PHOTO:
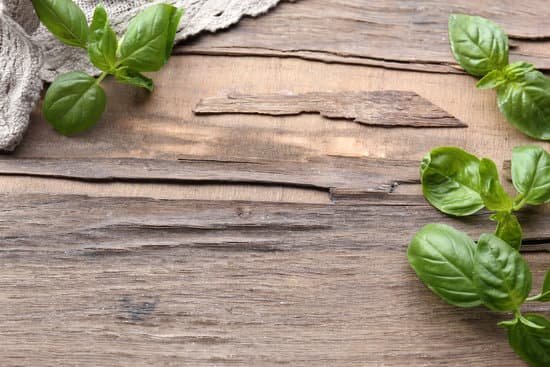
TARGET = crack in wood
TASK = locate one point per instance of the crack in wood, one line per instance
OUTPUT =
(395, 34)
(378, 108)
(367, 204)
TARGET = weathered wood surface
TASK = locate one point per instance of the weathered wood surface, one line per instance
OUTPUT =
(167, 238)
(378, 108)
(137, 281)
(399, 34)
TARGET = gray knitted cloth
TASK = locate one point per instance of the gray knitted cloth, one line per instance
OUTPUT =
(29, 54)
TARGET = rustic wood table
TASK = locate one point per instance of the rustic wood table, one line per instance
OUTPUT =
(254, 234)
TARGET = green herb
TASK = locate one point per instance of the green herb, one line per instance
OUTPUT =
(523, 93)
(75, 101)
(490, 272)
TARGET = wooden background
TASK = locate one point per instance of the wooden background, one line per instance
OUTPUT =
(167, 238)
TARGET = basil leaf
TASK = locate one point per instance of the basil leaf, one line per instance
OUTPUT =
(450, 181)
(493, 194)
(442, 257)
(64, 19)
(525, 102)
(544, 295)
(546, 288)
(478, 44)
(102, 43)
(492, 80)
(134, 78)
(517, 70)
(73, 103)
(531, 174)
(532, 344)
(149, 39)
(501, 275)
(508, 229)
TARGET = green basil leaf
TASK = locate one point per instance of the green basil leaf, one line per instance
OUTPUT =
(102, 42)
(74, 103)
(531, 174)
(134, 78)
(544, 295)
(517, 70)
(546, 288)
(492, 80)
(442, 257)
(501, 275)
(478, 44)
(149, 38)
(450, 181)
(532, 344)
(493, 194)
(508, 229)
(525, 102)
(64, 19)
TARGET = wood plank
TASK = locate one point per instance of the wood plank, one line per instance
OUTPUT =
(377, 108)
(231, 283)
(328, 174)
(397, 34)
(162, 124)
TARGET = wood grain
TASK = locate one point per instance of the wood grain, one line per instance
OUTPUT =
(397, 34)
(165, 238)
(378, 108)
(137, 281)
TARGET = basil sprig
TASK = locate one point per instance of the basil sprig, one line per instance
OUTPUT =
(460, 184)
(523, 93)
(490, 272)
(75, 101)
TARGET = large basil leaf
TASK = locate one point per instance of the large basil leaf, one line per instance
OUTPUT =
(532, 344)
(102, 42)
(450, 181)
(501, 275)
(493, 194)
(64, 19)
(525, 102)
(442, 257)
(531, 174)
(508, 229)
(478, 44)
(149, 38)
(74, 103)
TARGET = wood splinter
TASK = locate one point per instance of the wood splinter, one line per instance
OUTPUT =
(388, 108)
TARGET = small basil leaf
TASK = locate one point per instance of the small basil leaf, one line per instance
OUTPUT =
(544, 295)
(508, 323)
(478, 44)
(102, 42)
(546, 288)
(501, 275)
(450, 181)
(74, 103)
(508, 229)
(442, 257)
(64, 19)
(493, 194)
(134, 78)
(517, 70)
(149, 38)
(532, 344)
(531, 174)
(492, 80)
(525, 102)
